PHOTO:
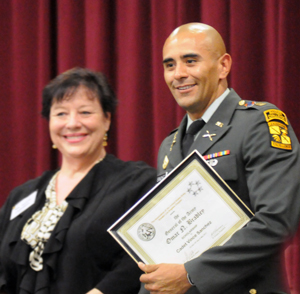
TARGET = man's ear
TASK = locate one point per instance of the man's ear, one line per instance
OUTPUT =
(225, 65)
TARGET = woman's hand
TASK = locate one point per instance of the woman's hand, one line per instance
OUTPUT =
(94, 291)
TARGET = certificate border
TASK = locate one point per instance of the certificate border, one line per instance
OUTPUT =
(193, 162)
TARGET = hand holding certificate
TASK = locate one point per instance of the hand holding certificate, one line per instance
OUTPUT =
(188, 212)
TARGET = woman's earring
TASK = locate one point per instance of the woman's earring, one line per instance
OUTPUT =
(54, 146)
(105, 140)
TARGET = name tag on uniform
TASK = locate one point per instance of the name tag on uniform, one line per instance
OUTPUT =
(23, 205)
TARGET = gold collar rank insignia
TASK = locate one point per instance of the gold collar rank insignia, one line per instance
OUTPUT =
(279, 134)
(260, 103)
(174, 141)
(166, 159)
(166, 162)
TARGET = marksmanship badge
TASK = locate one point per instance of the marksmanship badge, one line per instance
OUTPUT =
(146, 232)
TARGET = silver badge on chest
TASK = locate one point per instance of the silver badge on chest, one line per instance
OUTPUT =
(212, 162)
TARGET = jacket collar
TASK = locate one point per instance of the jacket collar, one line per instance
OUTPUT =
(217, 127)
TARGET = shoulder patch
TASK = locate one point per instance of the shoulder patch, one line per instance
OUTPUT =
(275, 114)
(279, 133)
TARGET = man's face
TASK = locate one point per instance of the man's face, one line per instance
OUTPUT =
(192, 71)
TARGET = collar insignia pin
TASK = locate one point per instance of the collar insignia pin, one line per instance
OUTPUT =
(174, 141)
(208, 135)
(219, 124)
(166, 162)
(260, 103)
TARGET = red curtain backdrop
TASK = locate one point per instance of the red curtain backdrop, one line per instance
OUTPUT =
(123, 38)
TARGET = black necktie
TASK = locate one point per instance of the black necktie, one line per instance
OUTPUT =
(188, 139)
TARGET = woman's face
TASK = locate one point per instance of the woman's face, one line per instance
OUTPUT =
(78, 125)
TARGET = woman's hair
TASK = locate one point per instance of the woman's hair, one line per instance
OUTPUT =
(65, 84)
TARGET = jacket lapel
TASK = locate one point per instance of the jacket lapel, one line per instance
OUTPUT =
(89, 186)
(174, 153)
(218, 125)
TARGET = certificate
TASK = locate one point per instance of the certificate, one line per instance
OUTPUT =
(189, 211)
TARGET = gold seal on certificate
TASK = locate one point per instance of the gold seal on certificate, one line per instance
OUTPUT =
(191, 210)
(146, 232)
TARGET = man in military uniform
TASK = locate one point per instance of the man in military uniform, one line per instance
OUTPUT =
(253, 148)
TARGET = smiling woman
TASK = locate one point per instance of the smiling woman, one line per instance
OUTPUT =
(53, 229)
(78, 104)
(78, 126)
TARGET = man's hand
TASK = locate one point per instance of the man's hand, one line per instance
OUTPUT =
(165, 278)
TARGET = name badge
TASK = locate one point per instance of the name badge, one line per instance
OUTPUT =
(23, 205)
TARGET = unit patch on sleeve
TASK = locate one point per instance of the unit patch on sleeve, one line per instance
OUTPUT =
(274, 114)
(279, 134)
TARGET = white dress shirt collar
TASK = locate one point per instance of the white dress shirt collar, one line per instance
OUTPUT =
(211, 109)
